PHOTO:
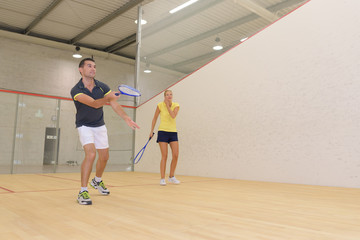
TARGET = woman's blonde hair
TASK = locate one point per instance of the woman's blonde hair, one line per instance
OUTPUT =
(166, 92)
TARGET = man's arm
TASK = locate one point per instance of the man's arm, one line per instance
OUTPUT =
(120, 111)
(98, 103)
(87, 100)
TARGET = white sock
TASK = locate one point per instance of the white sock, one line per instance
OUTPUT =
(83, 189)
(97, 179)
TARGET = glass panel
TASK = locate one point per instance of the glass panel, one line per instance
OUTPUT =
(35, 143)
(120, 140)
(71, 153)
(7, 125)
(30, 144)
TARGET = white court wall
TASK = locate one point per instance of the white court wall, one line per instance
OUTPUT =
(281, 107)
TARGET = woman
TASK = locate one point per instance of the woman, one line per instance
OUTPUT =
(167, 134)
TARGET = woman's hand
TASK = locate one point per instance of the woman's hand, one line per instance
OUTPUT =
(167, 102)
(151, 134)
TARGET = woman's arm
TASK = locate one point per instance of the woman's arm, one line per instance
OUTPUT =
(156, 115)
(172, 113)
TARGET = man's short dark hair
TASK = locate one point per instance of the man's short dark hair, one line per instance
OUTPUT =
(82, 62)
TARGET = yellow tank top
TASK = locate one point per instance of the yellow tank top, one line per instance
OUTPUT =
(167, 123)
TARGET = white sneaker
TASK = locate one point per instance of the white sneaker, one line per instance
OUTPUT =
(162, 182)
(100, 186)
(174, 180)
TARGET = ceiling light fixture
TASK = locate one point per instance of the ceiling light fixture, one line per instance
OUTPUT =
(243, 39)
(77, 54)
(147, 68)
(143, 22)
(218, 45)
(178, 8)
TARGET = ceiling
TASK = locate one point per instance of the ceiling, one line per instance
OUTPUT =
(181, 42)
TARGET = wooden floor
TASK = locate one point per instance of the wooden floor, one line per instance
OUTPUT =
(43, 206)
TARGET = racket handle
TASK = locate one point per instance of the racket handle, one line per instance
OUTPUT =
(151, 136)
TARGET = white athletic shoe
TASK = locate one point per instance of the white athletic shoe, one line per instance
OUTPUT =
(174, 180)
(100, 186)
(162, 182)
(84, 198)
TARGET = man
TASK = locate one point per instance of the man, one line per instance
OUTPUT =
(89, 96)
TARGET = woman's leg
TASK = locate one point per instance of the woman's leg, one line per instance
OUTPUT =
(164, 152)
(175, 155)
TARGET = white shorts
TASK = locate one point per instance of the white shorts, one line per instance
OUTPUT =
(95, 135)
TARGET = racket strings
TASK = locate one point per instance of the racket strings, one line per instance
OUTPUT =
(129, 91)
(139, 155)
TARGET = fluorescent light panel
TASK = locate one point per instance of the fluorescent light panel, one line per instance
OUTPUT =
(142, 22)
(77, 55)
(178, 8)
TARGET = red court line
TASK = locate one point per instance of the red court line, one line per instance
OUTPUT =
(47, 96)
(8, 190)
(34, 94)
(120, 186)
(44, 175)
(77, 180)
(45, 190)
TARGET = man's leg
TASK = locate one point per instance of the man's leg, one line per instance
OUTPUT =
(86, 167)
(102, 161)
(87, 164)
(96, 182)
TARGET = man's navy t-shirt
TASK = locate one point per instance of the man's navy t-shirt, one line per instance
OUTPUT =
(86, 115)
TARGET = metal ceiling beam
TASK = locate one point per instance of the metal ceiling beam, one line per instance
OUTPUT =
(41, 16)
(223, 28)
(257, 9)
(202, 36)
(121, 44)
(165, 23)
(105, 20)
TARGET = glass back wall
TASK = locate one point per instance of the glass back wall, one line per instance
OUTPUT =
(38, 135)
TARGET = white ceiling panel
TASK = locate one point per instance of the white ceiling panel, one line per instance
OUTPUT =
(14, 19)
(32, 8)
(56, 29)
(182, 41)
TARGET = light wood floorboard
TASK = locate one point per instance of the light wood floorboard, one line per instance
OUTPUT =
(43, 206)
